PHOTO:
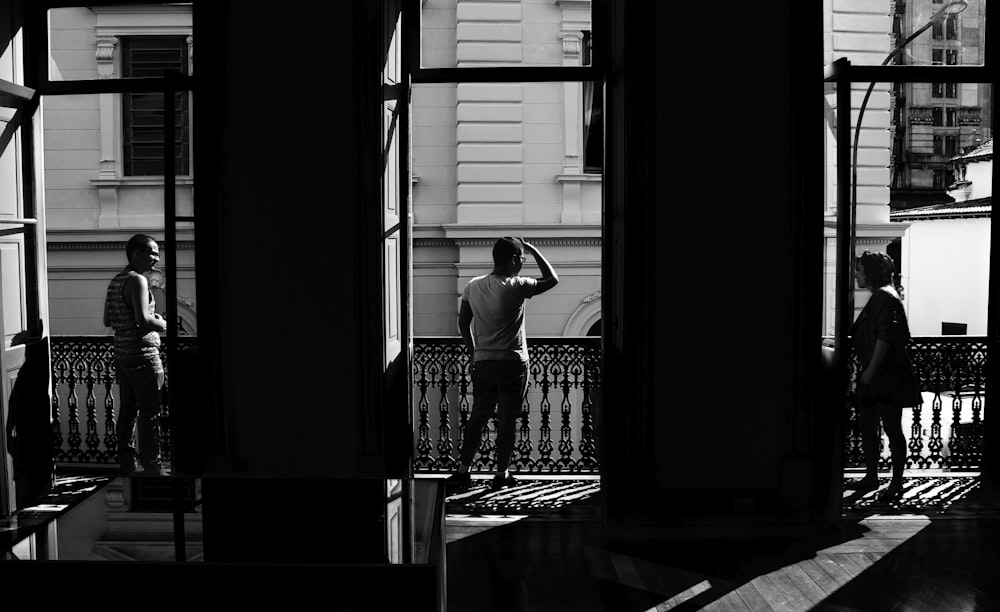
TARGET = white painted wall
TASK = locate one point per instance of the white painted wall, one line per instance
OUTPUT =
(502, 159)
(981, 176)
(88, 203)
(946, 274)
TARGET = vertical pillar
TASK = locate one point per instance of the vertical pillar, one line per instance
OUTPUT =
(490, 131)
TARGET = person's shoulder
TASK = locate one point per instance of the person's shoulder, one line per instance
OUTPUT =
(473, 283)
(886, 293)
(525, 280)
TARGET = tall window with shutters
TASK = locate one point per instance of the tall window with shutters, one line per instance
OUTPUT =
(142, 113)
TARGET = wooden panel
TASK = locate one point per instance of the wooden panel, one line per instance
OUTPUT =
(390, 70)
(390, 178)
(394, 529)
(10, 178)
(12, 294)
(393, 303)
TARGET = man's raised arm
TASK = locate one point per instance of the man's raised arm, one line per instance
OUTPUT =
(549, 277)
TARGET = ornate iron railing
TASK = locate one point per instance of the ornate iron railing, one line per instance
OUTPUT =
(84, 396)
(565, 371)
(556, 432)
(947, 430)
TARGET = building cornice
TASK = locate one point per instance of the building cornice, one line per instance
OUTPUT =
(533, 232)
(488, 242)
(180, 181)
(579, 178)
(182, 245)
(582, 5)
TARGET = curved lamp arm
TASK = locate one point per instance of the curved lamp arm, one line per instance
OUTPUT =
(952, 8)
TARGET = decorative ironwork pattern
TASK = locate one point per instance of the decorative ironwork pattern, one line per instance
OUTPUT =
(84, 366)
(926, 495)
(526, 497)
(947, 431)
(564, 371)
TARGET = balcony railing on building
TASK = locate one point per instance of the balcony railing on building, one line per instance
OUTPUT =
(946, 432)
(84, 402)
(556, 430)
(557, 427)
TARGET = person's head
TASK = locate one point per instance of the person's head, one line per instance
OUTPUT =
(142, 252)
(508, 254)
(874, 269)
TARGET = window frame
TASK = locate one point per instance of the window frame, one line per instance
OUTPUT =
(107, 86)
(842, 73)
(183, 153)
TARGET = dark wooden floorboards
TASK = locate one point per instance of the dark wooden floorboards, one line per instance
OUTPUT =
(562, 558)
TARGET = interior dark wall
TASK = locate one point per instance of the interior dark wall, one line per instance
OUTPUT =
(282, 98)
(707, 338)
(728, 324)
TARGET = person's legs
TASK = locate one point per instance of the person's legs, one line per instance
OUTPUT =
(126, 422)
(484, 400)
(869, 444)
(511, 385)
(146, 381)
(892, 424)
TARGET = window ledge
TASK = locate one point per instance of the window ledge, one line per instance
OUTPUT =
(140, 181)
(579, 178)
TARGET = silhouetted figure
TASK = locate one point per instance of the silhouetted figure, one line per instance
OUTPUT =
(491, 322)
(886, 383)
(130, 309)
(29, 424)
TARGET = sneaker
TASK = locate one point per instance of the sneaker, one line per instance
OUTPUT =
(151, 470)
(126, 464)
(500, 482)
(893, 493)
(459, 479)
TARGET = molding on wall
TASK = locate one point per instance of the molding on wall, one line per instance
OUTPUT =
(183, 245)
(579, 178)
(488, 242)
(584, 317)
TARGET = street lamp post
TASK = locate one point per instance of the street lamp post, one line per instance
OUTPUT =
(951, 8)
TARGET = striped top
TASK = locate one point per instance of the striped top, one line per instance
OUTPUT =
(133, 344)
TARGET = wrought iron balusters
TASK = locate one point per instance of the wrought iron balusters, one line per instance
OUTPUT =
(84, 365)
(950, 368)
(569, 365)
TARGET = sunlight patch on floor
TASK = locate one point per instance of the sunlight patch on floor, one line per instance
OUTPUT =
(460, 526)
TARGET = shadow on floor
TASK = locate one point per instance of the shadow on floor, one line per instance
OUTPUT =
(871, 561)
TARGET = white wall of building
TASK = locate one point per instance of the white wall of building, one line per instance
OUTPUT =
(946, 274)
(90, 206)
(502, 159)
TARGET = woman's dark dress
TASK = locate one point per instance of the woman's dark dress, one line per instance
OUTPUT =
(895, 383)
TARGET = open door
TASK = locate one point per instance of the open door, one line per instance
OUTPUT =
(25, 446)
(395, 230)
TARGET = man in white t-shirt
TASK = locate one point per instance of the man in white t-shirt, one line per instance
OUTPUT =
(491, 322)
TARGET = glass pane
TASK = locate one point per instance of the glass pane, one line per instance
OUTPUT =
(459, 33)
(102, 42)
(945, 32)
(941, 193)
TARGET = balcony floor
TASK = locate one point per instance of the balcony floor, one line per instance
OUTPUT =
(879, 558)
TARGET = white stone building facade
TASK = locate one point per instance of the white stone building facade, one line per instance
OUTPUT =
(506, 159)
(103, 174)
